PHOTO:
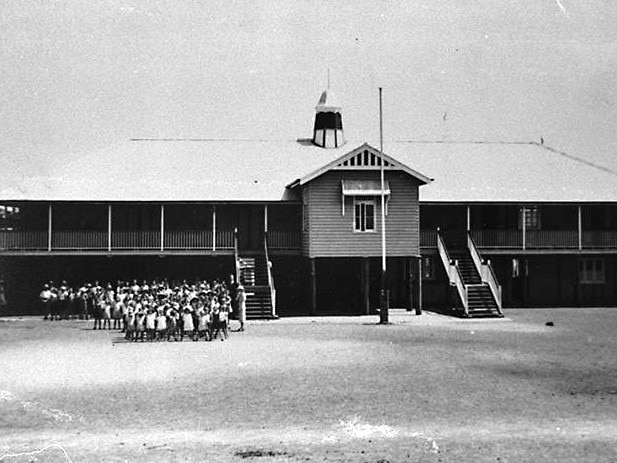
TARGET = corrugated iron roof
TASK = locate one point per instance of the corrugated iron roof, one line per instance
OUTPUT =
(504, 172)
(254, 170)
(180, 170)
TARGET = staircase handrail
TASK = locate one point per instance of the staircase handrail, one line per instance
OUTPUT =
(485, 269)
(460, 286)
(270, 277)
(495, 287)
(443, 252)
(454, 273)
(475, 256)
(236, 257)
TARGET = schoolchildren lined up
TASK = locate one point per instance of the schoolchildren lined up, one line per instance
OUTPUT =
(149, 312)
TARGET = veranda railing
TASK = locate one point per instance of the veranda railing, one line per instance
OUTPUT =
(79, 239)
(21, 240)
(284, 239)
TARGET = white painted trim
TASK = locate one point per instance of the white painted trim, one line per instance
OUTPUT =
(524, 222)
(214, 227)
(364, 200)
(266, 218)
(49, 230)
(334, 165)
(580, 228)
(468, 218)
(162, 227)
(375, 192)
(109, 227)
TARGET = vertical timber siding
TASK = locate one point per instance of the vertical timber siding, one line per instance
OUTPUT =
(331, 234)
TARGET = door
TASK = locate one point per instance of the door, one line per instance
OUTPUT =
(250, 227)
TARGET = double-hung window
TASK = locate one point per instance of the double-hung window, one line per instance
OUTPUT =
(530, 215)
(364, 215)
(591, 271)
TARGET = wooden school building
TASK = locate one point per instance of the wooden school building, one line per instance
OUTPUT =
(471, 228)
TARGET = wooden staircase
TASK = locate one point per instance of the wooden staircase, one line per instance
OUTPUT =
(481, 301)
(468, 269)
(253, 270)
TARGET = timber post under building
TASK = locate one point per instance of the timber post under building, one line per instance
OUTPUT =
(497, 224)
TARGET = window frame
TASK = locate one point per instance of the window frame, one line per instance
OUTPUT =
(428, 268)
(596, 275)
(363, 202)
(531, 216)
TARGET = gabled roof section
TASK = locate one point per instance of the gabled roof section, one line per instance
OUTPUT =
(364, 157)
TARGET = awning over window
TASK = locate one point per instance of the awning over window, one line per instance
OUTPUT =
(364, 188)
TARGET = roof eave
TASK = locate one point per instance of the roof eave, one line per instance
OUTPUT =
(423, 179)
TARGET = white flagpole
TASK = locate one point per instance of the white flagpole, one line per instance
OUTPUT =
(383, 313)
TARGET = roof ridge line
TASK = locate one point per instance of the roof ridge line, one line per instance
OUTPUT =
(214, 139)
(469, 142)
(576, 158)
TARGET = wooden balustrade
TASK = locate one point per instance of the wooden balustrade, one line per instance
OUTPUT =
(428, 238)
(79, 239)
(20, 240)
(599, 239)
(535, 239)
(97, 240)
(501, 239)
(150, 239)
(224, 239)
(542, 239)
(188, 239)
(284, 239)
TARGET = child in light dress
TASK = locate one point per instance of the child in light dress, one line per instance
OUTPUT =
(161, 324)
(150, 324)
(188, 327)
(203, 327)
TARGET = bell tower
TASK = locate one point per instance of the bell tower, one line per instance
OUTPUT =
(328, 131)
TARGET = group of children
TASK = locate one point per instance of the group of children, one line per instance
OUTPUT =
(151, 312)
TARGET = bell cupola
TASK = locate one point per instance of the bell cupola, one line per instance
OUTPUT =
(328, 131)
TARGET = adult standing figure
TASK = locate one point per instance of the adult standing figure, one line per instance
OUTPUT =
(46, 300)
(81, 302)
(241, 304)
(55, 303)
(233, 293)
(63, 301)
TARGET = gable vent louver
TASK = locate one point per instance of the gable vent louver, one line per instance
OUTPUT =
(364, 159)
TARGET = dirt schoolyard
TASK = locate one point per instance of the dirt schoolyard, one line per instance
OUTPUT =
(426, 388)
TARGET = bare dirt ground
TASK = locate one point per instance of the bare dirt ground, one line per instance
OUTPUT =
(426, 388)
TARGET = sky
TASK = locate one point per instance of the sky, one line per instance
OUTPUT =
(79, 76)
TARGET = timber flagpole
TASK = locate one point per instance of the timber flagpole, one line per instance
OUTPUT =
(383, 306)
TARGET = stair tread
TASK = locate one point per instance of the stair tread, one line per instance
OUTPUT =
(254, 276)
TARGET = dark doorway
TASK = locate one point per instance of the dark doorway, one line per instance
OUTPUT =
(250, 224)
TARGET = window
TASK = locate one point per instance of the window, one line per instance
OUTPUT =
(531, 215)
(428, 268)
(364, 215)
(516, 268)
(7, 212)
(591, 271)
(520, 268)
